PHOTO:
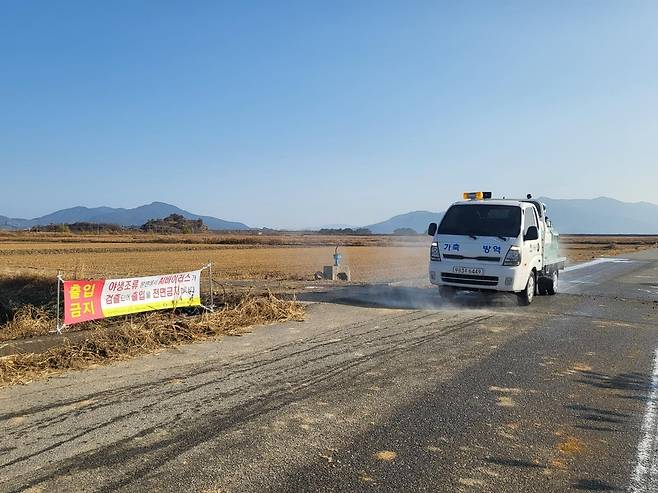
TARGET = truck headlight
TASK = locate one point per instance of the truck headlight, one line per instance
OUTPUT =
(434, 252)
(513, 257)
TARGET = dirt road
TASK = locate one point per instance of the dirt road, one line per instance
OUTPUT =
(383, 388)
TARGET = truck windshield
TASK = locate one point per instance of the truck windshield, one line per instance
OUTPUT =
(482, 220)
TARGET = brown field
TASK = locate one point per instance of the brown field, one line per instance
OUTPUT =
(14, 240)
(29, 263)
(281, 257)
(580, 248)
(248, 256)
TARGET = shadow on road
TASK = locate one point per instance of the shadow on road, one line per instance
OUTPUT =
(631, 382)
(513, 462)
(594, 485)
(597, 419)
(632, 385)
(406, 298)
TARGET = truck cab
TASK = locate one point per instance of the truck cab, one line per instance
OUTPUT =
(495, 245)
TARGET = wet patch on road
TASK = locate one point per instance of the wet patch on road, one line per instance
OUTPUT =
(385, 455)
(571, 446)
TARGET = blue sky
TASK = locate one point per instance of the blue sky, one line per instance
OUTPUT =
(293, 114)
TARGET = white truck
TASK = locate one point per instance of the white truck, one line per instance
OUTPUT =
(487, 244)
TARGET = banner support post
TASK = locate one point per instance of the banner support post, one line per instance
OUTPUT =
(59, 288)
(212, 303)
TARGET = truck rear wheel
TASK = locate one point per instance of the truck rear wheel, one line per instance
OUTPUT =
(526, 296)
(552, 283)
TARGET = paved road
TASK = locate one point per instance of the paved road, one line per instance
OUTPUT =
(383, 388)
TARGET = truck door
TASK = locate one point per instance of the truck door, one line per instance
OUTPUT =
(531, 247)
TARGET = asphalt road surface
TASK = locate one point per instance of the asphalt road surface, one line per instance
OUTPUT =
(382, 388)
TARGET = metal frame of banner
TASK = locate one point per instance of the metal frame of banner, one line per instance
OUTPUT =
(60, 281)
(210, 308)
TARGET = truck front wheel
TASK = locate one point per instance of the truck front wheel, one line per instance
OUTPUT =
(447, 292)
(526, 296)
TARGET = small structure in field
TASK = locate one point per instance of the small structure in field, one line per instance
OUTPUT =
(338, 271)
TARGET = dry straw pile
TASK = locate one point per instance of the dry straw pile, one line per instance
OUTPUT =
(147, 333)
(27, 321)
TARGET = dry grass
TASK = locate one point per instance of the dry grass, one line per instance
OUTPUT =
(273, 257)
(26, 299)
(30, 240)
(235, 256)
(145, 334)
(367, 263)
(27, 321)
(581, 248)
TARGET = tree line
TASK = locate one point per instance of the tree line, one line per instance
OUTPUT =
(174, 223)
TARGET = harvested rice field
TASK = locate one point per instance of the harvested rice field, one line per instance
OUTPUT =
(298, 257)
(240, 257)
(29, 263)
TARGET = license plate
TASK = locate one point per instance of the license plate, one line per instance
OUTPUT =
(473, 271)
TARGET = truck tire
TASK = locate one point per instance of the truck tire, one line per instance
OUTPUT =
(552, 283)
(447, 292)
(542, 286)
(526, 296)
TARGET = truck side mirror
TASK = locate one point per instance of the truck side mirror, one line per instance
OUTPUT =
(531, 234)
(431, 230)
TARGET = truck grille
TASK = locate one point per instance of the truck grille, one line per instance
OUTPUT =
(469, 279)
(451, 256)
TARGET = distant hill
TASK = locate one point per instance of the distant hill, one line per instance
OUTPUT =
(602, 215)
(417, 220)
(124, 217)
(10, 223)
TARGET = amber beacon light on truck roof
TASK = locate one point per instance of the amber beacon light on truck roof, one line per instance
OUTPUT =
(477, 195)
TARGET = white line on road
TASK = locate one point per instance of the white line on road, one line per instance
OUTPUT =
(594, 262)
(645, 476)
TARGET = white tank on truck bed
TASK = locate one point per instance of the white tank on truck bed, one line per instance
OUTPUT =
(491, 244)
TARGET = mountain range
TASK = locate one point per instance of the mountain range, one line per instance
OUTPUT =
(416, 220)
(602, 215)
(124, 217)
